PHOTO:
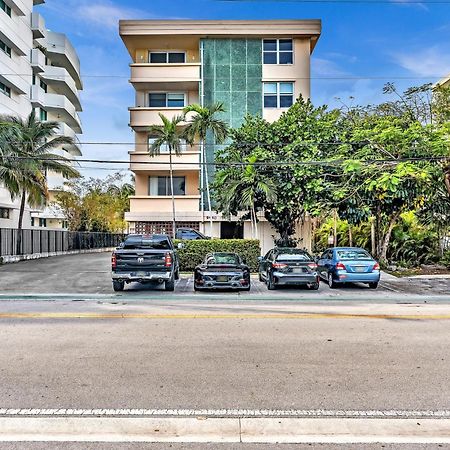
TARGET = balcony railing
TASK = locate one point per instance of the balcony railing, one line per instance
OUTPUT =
(37, 60)
(157, 204)
(141, 117)
(38, 25)
(147, 76)
(189, 160)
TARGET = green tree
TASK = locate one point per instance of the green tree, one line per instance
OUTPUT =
(245, 189)
(204, 121)
(170, 134)
(27, 159)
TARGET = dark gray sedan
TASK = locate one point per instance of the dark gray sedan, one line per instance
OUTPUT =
(222, 271)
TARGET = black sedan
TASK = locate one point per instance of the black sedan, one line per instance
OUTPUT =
(222, 271)
(288, 266)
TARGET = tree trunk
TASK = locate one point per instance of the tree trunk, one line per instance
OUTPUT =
(372, 236)
(255, 221)
(208, 196)
(335, 228)
(447, 178)
(174, 223)
(350, 235)
(202, 183)
(20, 223)
(387, 237)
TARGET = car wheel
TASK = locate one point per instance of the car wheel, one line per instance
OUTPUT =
(260, 277)
(373, 285)
(177, 274)
(314, 286)
(331, 282)
(118, 286)
(196, 287)
(270, 284)
(170, 285)
(246, 288)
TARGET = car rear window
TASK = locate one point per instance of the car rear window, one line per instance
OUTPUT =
(222, 259)
(147, 242)
(353, 254)
(287, 257)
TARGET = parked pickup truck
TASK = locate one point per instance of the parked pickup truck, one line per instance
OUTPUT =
(145, 259)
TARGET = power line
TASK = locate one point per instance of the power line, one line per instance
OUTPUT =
(391, 2)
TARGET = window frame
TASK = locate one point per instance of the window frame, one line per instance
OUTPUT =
(167, 53)
(278, 94)
(167, 185)
(5, 48)
(167, 99)
(6, 8)
(165, 149)
(5, 213)
(5, 90)
(278, 51)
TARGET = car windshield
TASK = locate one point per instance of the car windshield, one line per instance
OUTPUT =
(222, 258)
(293, 255)
(353, 254)
(147, 242)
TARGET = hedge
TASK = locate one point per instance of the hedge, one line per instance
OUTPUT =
(194, 251)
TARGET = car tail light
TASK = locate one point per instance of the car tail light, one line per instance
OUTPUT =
(279, 266)
(312, 266)
(376, 267)
(340, 266)
(113, 261)
(168, 260)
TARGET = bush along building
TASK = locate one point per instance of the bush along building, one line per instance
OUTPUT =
(40, 70)
(252, 67)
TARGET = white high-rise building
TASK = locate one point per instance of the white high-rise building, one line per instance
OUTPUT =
(39, 69)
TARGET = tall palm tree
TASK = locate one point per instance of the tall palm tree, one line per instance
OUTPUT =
(245, 188)
(168, 134)
(205, 121)
(25, 159)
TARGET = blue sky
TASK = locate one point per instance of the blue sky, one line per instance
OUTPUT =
(362, 47)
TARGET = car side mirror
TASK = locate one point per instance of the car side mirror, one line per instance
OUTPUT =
(180, 245)
(260, 258)
(244, 261)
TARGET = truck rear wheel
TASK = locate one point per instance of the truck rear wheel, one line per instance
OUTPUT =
(118, 286)
(170, 285)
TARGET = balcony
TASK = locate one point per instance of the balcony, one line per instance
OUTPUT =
(65, 130)
(16, 34)
(62, 83)
(38, 26)
(13, 74)
(143, 117)
(37, 60)
(62, 54)
(162, 76)
(57, 104)
(188, 161)
(157, 204)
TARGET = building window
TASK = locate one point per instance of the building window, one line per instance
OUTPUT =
(43, 86)
(278, 51)
(42, 115)
(5, 89)
(278, 95)
(5, 48)
(5, 8)
(160, 186)
(167, 57)
(5, 213)
(164, 148)
(164, 100)
(42, 223)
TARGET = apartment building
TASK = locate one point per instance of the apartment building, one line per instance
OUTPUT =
(255, 67)
(40, 70)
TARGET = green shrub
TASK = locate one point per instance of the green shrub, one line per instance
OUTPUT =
(194, 252)
(445, 261)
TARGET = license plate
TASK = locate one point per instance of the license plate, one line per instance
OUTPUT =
(222, 278)
(297, 270)
(360, 269)
(140, 274)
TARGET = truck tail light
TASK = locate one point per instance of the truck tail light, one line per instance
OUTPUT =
(312, 266)
(340, 266)
(168, 260)
(113, 261)
(376, 267)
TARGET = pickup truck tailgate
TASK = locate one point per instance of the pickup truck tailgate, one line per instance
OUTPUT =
(135, 261)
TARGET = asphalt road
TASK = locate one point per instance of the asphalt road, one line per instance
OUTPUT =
(71, 343)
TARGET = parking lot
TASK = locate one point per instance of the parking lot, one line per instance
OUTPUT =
(90, 274)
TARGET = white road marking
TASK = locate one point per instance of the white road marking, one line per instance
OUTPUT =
(261, 430)
(443, 414)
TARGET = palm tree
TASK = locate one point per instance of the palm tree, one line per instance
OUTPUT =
(247, 187)
(205, 120)
(171, 135)
(25, 159)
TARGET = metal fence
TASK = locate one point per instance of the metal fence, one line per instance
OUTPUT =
(48, 241)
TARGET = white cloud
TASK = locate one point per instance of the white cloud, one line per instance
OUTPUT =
(433, 62)
(322, 67)
(411, 4)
